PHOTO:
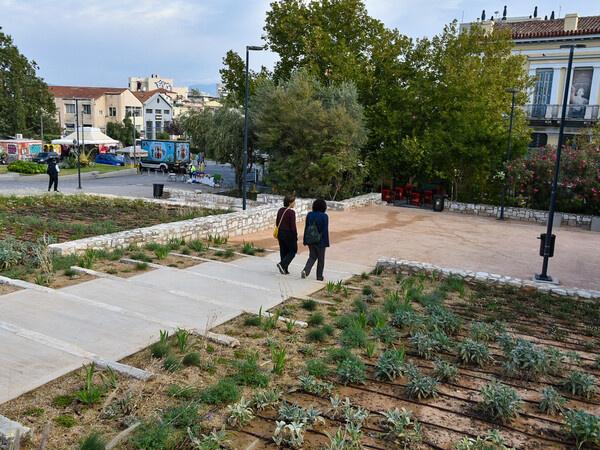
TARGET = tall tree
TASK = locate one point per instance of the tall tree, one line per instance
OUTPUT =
(233, 77)
(23, 95)
(312, 134)
(122, 131)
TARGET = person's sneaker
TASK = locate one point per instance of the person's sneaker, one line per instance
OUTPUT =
(280, 269)
(303, 274)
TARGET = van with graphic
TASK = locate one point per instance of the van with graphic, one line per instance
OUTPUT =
(165, 156)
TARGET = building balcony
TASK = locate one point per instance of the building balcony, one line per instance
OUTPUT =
(554, 112)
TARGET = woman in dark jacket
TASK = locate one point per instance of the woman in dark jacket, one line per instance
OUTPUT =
(288, 234)
(317, 251)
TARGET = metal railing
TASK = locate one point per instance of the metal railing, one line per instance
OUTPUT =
(574, 112)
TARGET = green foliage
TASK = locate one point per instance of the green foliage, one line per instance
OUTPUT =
(390, 365)
(192, 359)
(583, 427)
(263, 398)
(312, 133)
(159, 350)
(65, 420)
(153, 434)
(386, 334)
(240, 414)
(62, 400)
(183, 336)
(402, 431)
(493, 441)
(352, 370)
(314, 386)
(526, 361)
(26, 166)
(309, 304)
(444, 371)
(278, 356)
(353, 337)
(90, 394)
(215, 440)
(93, 441)
(579, 383)
(551, 402)
(316, 368)
(182, 415)
(500, 402)
(316, 319)
(471, 352)
(249, 373)
(171, 363)
(226, 391)
(316, 335)
(124, 131)
(420, 387)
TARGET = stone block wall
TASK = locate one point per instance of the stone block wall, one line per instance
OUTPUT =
(239, 222)
(523, 214)
(413, 268)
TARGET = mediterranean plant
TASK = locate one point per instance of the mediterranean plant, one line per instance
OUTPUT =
(471, 352)
(421, 387)
(444, 371)
(583, 427)
(551, 402)
(402, 431)
(493, 441)
(390, 365)
(579, 383)
(352, 370)
(240, 413)
(500, 402)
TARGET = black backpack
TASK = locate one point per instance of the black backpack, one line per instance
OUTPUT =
(311, 234)
(51, 170)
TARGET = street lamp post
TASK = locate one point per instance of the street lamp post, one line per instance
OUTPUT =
(544, 276)
(78, 141)
(42, 126)
(248, 48)
(512, 114)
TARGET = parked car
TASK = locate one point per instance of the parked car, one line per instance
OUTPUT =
(44, 157)
(111, 160)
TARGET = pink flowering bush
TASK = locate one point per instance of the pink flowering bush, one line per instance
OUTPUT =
(578, 183)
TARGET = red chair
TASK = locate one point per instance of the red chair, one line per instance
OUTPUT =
(415, 199)
(428, 197)
(438, 191)
(386, 195)
(408, 192)
(399, 193)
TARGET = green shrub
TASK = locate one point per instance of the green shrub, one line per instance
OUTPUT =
(471, 352)
(252, 321)
(62, 400)
(226, 391)
(579, 383)
(93, 441)
(390, 365)
(551, 402)
(27, 167)
(182, 416)
(192, 359)
(316, 368)
(66, 421)
(309, 304)
(444, 371)
(316, 319)
(155, 435)
(421, 387)
(500, 402)
(353, 337)
(250, 374)
(316, 335)
(171, 363)
(352, 370)
(583, 427)
(159, 350)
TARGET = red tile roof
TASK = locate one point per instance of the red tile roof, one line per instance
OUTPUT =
(144, 96)
(83, 92)
(549, 28)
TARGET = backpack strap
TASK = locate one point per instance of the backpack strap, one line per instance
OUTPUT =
(281, 220)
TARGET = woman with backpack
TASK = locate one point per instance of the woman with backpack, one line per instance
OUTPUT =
(287, 234)
(52, 172)
(316, 236)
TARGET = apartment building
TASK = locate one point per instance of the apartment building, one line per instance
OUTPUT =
(97, 106)
(155, 82)
(540, 40)
(157, 110)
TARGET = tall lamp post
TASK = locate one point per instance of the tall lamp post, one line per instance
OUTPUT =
(42, 126)
(78, 142)
(548, 238)
(512, 114)
(248, 48)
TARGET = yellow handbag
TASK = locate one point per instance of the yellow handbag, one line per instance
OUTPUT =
(276, 232)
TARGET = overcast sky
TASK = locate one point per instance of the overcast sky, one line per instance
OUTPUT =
(103, 42)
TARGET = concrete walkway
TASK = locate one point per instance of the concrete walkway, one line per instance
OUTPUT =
(47, 333)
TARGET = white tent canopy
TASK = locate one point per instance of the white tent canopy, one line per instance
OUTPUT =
(90, 136)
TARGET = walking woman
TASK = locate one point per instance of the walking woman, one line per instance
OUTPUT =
(288, 234)
(316, 250)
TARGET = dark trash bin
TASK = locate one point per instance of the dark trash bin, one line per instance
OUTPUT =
(438, 202)
(158, 190)
(542, 239)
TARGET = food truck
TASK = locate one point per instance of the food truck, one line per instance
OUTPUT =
(166, 156)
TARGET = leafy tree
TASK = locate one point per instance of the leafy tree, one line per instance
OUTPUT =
(122, 131)
(233, 76)
(163, 135)
(312, 134)
(23, 95)
(175, 127)
(220, 134)
(466, 109)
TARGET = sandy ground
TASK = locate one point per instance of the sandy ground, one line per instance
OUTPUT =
(454, 240)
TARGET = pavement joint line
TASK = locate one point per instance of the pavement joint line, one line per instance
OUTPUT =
(211, 277)
(197, 258)
(95, 273)
(216, 337)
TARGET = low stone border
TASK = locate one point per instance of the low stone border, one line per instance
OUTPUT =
(491, 279)
(11, 432)
(351, 203)
(231, 224)
(583, 221)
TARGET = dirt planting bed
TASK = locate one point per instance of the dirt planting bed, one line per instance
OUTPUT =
(385, 362)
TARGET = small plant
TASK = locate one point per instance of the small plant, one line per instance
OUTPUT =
(229, 253)
(171, 363)
(309, 304)
(183, 337)
(213, 441)
(583, 427)
(481, 332)
(471, 352)
(493, 441)
(159, 350)
(197, 246)
(140, 266)
(307, 350)
(330, 288)
(573, 357)
(226, 391)
(352, 370)
(390, 365)
(444, 371)
(34, 412)
(90, 394)
(66, 421)
(364, 276)
(278, 356)
(192, 359)
(424, 345)
(248, 248)
(421, 387)
(551, 403)
(316, 319)
(62, 400)
(579, 383)
(161, 252)
(597, 363)
(263, 399)
(240, 413)
(367, 290)
(93, 441)
(500, 402)
(110, 381)
(312, 385)
(401, 429)
(526, 361)
(370, 349)
(271, 321)
(316, 368)
(353, 337)
(386, 334)
(289, 434)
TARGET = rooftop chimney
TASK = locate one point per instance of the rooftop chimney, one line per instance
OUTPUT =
(535, 12)
(552, 16)
(571, 21)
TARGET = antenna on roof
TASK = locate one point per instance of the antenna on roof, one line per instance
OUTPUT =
(535, 12)
(504, 13)
(552, 16)
(483, 15)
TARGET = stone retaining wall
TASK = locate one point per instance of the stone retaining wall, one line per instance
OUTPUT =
(351, 203)
(524, 214)
(236, 223)
(491, 279)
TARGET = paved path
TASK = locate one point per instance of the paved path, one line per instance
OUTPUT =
(47, 333)
(455, 240)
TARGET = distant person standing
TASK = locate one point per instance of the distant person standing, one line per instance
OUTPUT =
(318, 218)
(288, 234)
(52, 172)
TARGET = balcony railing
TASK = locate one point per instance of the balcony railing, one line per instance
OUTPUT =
(574, 112)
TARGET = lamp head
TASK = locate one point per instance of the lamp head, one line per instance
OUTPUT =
(255, 47)
(573, 46)
(513, 91)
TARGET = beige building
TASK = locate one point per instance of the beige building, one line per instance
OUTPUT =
(157, 82)
(540, 40)
(97, 106)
